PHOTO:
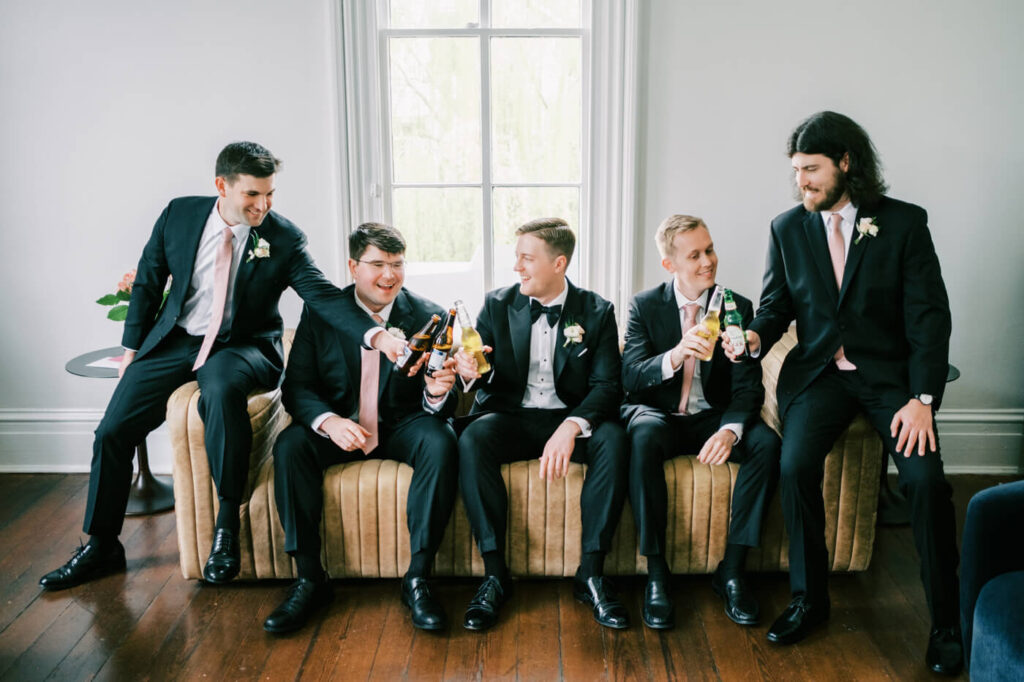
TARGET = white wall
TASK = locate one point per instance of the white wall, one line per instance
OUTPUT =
(107, 111)
(938, 87)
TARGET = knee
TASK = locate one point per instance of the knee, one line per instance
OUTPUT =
(438, 448)
(288, 447)
(919, 475)
(610, 446)
(220, 395)
(795, 469)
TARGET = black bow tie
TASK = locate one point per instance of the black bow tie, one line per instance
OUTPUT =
(536, 310)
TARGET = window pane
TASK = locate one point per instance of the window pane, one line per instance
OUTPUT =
(514, 206)
(434, 13)
(535, 13)
(435, 109)
(536, 109)
(443, 243)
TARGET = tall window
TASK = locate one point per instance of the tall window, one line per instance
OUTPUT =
(484, 127)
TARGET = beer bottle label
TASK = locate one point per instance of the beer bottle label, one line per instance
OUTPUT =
(736, 338)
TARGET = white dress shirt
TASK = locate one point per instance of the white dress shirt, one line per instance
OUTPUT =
(540, 378)
(696, 401)
(198, 307)
(429, 405)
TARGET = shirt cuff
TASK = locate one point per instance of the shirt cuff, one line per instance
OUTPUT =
(585, 430)
(318, 422)
(370, 333)
(431, 403)
(667, 370)
(126, 349)
(735, 428)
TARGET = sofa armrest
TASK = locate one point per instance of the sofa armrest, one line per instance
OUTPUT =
(771, 364)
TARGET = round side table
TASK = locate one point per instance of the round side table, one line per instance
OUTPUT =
(149, 494)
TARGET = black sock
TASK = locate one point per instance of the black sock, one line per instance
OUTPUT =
(734, 559)
(494, 564)
(419, 565)
(657, 567)
(309, 567)
(227, 516)
(592, 565)
(102, 543)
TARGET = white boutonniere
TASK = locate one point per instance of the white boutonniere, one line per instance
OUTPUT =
(397, 333)
(573, 333)
(866, 226)
(260, 248)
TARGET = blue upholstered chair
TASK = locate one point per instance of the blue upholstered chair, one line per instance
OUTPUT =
(992, 584)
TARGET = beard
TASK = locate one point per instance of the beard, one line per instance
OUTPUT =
(832, 194)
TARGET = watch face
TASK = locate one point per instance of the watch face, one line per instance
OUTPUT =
(925, 398)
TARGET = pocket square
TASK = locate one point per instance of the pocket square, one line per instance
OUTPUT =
(582, 353)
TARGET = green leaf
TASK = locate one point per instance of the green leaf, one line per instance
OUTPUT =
(109, 299)
(118, 313)
(123, 295)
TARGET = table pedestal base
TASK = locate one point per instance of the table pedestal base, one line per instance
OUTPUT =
(150, 494)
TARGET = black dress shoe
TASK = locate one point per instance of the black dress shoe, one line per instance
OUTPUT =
(427, 613)
(304, 598)
(482, 612)
(87, 563)
(740, 605)
(225, 558)
(658, 612)
(797, 621)
(596, 591)
(945, 651)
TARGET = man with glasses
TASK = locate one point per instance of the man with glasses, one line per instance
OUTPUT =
(347, 404)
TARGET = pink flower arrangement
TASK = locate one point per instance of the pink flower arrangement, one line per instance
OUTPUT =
(120, 299)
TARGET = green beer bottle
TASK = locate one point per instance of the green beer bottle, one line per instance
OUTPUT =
(733, 323)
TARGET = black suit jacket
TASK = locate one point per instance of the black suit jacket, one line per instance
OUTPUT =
(587, 375)
(324, 367)
(654, 328)
(259, 282)
(891, 314)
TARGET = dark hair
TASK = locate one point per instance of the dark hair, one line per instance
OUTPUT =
(246, 158)
(835, 136)
(384, 237)
(555, 232)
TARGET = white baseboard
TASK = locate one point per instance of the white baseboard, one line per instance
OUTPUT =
(60, 441)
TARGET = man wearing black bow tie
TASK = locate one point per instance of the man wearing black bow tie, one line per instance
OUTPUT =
(554, 392)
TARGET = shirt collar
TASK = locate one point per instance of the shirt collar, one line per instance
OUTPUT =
(849, 213)
(240, 231)
(681, 299)
(558, 300)
(385, 313)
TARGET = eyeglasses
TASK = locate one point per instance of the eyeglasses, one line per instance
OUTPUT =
(380, 265)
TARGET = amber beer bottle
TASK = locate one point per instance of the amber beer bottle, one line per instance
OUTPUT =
(733, 322)
(417, 345)
(442, 346)
(471, 341)
(710, 320)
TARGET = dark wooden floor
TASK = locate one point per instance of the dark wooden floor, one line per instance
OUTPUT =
(151, 624)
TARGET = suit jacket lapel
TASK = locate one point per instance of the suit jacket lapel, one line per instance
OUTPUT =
(667, 317)
(814, 229)
(401, 317)
(856, 253)
(519, 329)
(197, 225)
(572, 311)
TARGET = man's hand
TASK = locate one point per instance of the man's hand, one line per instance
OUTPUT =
(465, 364)
(345, 433)
(387, 344)
(717, 449)
(915, 427)
(693, 344)
(753, 345)
(126, 360)
(554, 462)
(443, 380)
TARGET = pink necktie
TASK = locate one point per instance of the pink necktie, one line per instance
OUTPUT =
(221, 270)
(369, 384)
(837, 249)
(689, 322)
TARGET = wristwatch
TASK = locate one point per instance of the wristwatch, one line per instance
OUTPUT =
(925, 398)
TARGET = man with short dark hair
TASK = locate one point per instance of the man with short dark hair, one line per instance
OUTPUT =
(553, 392)
(858, 272)
(229, 258)
(684, 396)
(347, 403)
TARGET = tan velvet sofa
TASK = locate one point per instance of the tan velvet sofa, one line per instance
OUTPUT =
(364, 529)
